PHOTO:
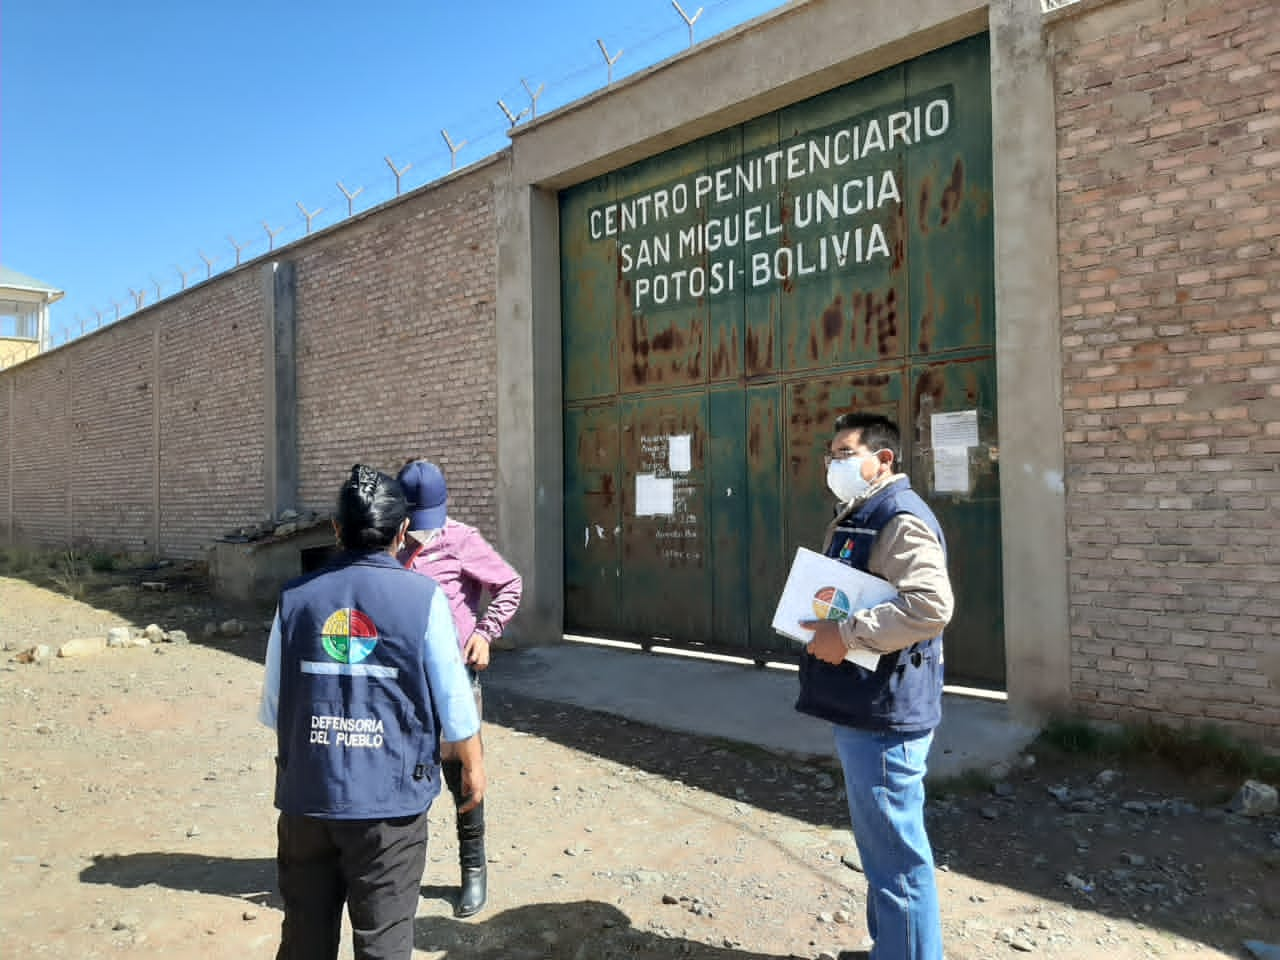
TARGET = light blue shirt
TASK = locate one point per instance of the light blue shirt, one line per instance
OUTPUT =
(446, 676)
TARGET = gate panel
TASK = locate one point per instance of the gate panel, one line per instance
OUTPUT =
(970, 518)
(666, 587)
(727, 300)
(841, 263)
(661, 325)
(730, 520)
(812, 407)
(588, 290)
(592, 517)
(766, 563)
(948, 194)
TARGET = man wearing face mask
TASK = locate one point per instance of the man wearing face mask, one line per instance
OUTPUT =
(883, 719)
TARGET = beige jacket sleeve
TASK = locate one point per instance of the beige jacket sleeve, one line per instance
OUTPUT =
(909, 556)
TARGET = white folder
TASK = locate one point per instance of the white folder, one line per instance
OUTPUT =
(820, 588)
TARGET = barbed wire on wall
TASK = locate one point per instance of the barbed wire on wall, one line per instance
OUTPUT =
(427, 159)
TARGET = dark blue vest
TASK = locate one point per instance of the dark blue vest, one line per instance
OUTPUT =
(904, 692)
(356, 730)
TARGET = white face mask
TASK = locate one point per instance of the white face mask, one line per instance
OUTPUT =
(845, 480)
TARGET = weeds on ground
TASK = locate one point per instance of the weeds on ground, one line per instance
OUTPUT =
(18, 560)
(967, 784)
(102, 562)
(68, 573)
(1187, 750)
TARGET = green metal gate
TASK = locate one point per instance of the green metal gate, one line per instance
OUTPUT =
(725, 301)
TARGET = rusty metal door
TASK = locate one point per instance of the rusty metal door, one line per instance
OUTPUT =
(725, 301)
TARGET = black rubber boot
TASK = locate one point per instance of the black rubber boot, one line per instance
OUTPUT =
(471, 859)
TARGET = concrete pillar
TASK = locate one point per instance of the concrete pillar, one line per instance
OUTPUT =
(1029, 361)
(530, 487)
(280, 321)
(156, 525)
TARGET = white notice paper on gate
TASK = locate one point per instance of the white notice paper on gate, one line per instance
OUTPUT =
(820, 588)
(655, 496)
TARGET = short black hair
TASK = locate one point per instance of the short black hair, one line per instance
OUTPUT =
(876, 432)
(371, 507)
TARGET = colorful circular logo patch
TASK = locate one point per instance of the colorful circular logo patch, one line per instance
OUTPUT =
(831, 604)
(348, 635)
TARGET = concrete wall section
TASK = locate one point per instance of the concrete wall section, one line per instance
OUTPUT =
(530, 418)
(795, 52)
(1028, 358)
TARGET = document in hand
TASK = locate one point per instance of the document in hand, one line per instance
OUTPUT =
(820, 588)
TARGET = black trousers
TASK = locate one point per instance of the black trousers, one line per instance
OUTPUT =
(374, 866)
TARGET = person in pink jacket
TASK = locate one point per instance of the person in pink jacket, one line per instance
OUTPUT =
(467, 568)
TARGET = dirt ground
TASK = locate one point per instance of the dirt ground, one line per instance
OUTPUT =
(135, 804)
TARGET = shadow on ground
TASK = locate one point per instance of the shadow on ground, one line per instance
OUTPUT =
(583, 930)
(252, 880)
(1151, 847)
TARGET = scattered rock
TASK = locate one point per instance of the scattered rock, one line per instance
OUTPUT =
(287, 515)
(825, 917)
(119, 637)
(83, 647)
(1135, 806)
(999, 771)
(231, 628)
(140, 641)
(1061, 794)
(177, 636)
(156, 586)
(1077, 884)
(842, 916)
(1002, 789)
(127, 921)
(193, 831)
(825, 781)
(1254, 799)
(210, 630)
(1134, 859)
(989, 813)
(669, 899)
(1106, 778)
(153, 633)
(285, 530)
(41, 653)
(249, 915)
(43, 728)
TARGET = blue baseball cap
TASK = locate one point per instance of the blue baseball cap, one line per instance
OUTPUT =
(428, 496)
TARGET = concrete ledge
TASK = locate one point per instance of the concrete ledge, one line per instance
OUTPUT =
(254, 572)
(734, 702)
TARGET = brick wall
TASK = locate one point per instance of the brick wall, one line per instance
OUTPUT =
(109, 466)
(397, 347)
(212, 363)
(40, 448)
(396, 357)
(1169, 225)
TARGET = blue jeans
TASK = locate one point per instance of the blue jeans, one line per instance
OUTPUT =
(884, 779)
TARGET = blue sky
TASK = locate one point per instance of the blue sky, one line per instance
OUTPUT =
(135, 135)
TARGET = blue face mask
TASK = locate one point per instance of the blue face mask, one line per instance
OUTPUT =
(845, 480)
